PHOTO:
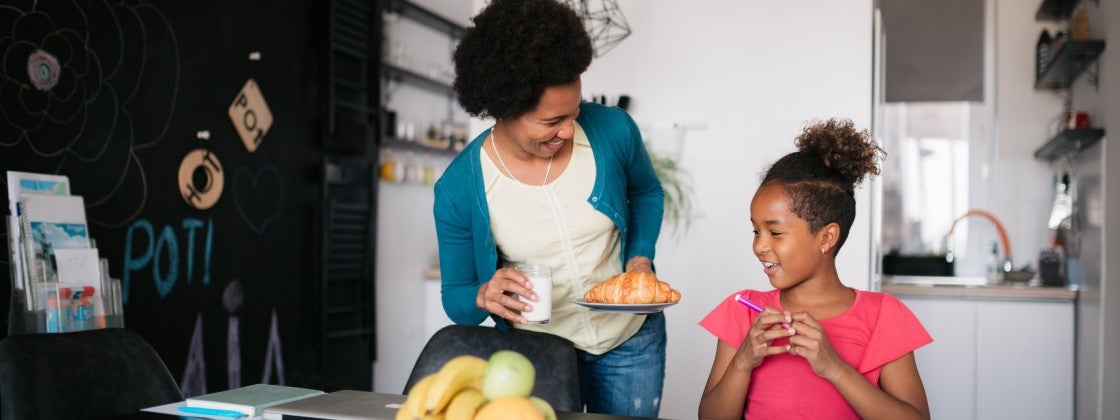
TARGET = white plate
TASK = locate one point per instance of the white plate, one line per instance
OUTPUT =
(625, 308)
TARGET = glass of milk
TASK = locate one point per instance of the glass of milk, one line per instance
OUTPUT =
(541, 277)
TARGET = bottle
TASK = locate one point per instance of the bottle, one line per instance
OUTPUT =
(995, 274)
(1043, 53)
(1050, 265)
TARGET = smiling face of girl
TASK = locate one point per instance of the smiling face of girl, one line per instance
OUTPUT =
(789, 251)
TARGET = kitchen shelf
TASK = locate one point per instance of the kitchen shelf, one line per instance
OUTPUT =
(1068, 63)
(1069, 141)
(395, 143)
(425, 17)
(403, 75)
(1057, 10)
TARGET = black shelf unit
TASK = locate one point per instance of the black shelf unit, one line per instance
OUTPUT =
(1068, 63)
(1057, 10)
(1069, 141)
(350, 91)
(345, 296)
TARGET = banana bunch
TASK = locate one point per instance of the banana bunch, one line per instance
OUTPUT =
(455, 392)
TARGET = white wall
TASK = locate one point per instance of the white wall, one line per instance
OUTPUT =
(755, 72)
(1024, 118)
(406, 237)
(1024, 185)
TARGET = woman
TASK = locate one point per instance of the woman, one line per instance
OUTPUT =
(555, 181)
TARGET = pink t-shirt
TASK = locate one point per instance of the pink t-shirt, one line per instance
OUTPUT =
(877, 329)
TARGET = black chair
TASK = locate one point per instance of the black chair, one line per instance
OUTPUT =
(90, 374)
(554, 358)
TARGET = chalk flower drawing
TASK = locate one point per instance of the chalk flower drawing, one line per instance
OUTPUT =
(81, 92)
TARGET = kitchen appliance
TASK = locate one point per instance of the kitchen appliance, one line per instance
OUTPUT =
(917, 265)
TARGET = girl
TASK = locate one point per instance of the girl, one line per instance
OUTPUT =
(819, 349)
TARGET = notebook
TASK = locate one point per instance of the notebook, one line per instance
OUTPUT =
(339, 405)
(252, 399)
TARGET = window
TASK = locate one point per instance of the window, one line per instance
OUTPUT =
(938, 167)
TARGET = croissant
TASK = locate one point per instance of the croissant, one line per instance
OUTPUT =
(634, 288)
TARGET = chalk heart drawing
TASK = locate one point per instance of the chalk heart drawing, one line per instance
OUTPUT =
(259, 196)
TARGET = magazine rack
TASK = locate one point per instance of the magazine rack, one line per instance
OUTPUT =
(42, 305)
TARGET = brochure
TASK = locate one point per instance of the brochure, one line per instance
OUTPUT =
(19, 184)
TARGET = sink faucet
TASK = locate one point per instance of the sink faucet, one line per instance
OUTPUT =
(999, 227)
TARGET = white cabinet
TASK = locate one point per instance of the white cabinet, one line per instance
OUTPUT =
(997, 359)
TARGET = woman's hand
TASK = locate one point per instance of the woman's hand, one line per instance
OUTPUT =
(640, 264)
(498, 295)
(812, 344)
(756, 345)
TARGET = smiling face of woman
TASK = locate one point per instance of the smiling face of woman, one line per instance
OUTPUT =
(788, 250)
(544, 131)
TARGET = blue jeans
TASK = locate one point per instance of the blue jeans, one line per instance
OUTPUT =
(628, 379)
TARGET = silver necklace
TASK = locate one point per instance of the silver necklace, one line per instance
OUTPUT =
(494, 144)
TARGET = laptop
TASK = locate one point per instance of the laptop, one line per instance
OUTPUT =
(339, 405)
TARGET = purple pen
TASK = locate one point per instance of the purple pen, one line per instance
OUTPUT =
(748, 303)
(754, 306)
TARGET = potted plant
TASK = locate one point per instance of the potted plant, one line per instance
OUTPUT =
(675, 181)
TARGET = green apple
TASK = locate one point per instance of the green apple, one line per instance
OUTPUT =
(508, 374)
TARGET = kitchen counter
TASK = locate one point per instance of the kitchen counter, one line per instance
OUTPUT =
(963, 290)
(986, 361)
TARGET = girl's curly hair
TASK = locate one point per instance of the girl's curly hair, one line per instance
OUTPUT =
(516, 49)
(833, 158)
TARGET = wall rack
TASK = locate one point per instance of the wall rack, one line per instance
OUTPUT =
(391, 72)
(400, 144)
(1069, 141)
(1074, 58)
(1055, 10)
(425, 17)
(403, 75)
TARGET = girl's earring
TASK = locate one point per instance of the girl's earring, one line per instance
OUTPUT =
(822, 252)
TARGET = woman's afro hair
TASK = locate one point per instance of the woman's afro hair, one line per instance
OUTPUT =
(514, 51)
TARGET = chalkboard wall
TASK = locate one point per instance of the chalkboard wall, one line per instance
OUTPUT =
(224, 293)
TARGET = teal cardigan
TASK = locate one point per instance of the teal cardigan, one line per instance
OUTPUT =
(626, 190)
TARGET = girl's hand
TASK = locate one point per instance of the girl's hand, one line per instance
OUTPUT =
(812, 344)
(756, 345)
(497, 296)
